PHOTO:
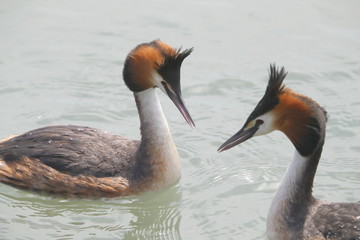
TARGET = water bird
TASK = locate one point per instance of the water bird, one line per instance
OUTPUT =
(294, 212)
(87, 162)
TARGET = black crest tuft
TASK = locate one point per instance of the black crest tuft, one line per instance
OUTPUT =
(170, 68)
(175, 60)
(274, 87)
(276, 79)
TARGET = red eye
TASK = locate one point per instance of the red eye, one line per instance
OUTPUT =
(259, 122)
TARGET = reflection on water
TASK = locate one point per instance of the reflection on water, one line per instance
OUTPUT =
(156, 218)
(150, 216)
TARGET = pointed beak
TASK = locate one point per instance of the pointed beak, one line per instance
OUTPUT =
(179, 103)
(239, 137)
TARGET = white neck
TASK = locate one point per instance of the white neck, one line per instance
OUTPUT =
(158, 156)
(289, 196)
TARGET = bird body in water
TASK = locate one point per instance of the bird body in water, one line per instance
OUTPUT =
(87, 162)
(294, 213)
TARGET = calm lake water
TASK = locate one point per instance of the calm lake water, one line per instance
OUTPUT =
(61, 63)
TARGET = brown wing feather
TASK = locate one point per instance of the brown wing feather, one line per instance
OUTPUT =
(338, 220)
(74, 150)
(31, 174)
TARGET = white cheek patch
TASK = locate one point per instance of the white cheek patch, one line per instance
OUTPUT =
(157, 78)
(268, 124)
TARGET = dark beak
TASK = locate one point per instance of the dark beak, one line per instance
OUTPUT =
(179, 103)
(239, 137)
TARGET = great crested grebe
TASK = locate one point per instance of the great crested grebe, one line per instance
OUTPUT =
(87, 162)
(294, 212)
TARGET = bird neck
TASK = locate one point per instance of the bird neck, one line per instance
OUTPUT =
(157, 158)
(290, 205)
